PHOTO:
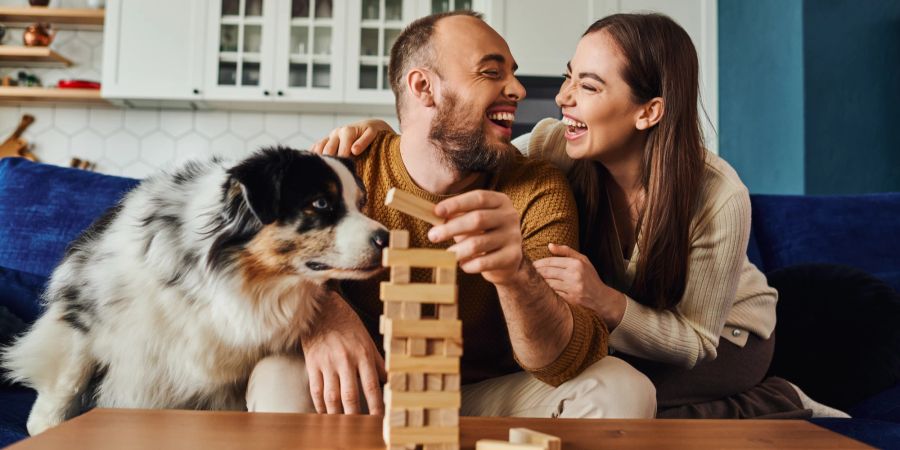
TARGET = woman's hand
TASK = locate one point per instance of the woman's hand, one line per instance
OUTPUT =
(350, 140)
(574, 278)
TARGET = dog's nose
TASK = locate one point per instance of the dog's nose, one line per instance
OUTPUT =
(380, 239)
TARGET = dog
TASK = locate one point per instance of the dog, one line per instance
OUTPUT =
(171, 297)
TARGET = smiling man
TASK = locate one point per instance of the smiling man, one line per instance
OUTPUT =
(453, 78)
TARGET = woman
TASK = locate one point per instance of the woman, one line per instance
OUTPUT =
(664, 225)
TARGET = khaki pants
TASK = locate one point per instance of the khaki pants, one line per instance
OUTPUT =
(610, 388)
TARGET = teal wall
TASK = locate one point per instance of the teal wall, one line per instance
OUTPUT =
(809, 99)
(761, 92)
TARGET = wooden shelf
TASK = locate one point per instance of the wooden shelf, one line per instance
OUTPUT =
(18, 95)
(19, 56)
(63, 18)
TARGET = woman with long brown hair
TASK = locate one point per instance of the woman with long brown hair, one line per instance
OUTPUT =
(664, 224)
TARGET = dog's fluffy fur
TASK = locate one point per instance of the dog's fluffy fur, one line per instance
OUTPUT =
(172, 297)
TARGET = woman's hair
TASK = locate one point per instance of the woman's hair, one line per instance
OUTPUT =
(660, 61)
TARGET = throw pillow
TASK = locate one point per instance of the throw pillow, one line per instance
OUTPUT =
(837, 335)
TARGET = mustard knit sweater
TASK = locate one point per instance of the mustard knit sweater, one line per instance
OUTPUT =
(725, 296)
(548, 214)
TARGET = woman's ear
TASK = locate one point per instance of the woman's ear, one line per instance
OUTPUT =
(650, 114)
(420, 87)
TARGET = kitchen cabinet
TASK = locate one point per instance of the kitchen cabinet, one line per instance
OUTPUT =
(276, 50)
(151, 54)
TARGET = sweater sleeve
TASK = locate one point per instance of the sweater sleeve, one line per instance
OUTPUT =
(552, 217)
(690, 332)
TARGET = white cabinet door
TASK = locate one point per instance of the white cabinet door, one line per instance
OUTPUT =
(151, 53)
(372, 28)
(541, 34)
(240, 49)
(309, 50)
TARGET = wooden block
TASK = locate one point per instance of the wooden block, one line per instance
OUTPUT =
(422, 435)
(416, 347)
(442, 417)
(446, 312)
(398, 239)
(434, 347)
(419, 257)
(453, 348)
(434, 382)
(397, 381)
(419, 292)
(400, 274)
(491, 444)
(451, 382)
(443, 446)
(415, 417)
(422, 364)
(397, 399)
(414, 206)
(428, 328)
(411, 311)
(397, 418)
(415, 382)
(444, 275)
(393, 310)
(527, 436)
(397, 346)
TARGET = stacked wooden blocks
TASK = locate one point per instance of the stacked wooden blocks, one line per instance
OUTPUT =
(422, 396)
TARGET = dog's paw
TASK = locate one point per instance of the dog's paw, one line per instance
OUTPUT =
(38, 423)
(43, 416)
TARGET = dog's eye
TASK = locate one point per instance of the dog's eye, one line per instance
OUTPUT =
(321, 203)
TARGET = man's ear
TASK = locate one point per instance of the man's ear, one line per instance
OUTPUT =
(650, 114)
(420, 86)
(260, 188)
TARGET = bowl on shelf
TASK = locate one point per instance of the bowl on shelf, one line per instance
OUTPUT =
(39, 2)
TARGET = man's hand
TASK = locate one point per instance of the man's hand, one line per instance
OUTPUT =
(488, 236)
(350, 140)
(340, 358)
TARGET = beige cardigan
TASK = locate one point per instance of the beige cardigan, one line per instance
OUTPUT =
(725, 296)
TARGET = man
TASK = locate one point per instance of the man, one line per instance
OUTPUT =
(453, 78)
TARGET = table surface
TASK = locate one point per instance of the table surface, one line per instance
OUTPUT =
(175, 429)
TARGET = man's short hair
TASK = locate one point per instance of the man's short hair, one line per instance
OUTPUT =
(413, 48)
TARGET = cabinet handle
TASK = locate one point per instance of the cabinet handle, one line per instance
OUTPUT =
(280, 93)
(266, 93)
(196, 91)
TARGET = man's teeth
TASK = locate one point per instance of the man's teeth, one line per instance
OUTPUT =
(573, 123)
(502, 116)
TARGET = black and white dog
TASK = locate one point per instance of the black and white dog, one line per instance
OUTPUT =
(172, 297)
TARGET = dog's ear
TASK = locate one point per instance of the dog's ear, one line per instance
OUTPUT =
(260, 183)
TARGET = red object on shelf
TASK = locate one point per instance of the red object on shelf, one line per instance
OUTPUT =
(77, 84)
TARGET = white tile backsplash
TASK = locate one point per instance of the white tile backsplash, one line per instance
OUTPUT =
(137, 142)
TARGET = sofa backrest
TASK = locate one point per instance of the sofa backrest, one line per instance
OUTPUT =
(861, 231)
(44, 207)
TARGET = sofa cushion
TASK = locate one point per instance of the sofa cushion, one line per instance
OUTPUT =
(884, 405)
(44, 207)
(14, 414)
(877, 433)
(853, 230)
(837, 335)
(20, 293)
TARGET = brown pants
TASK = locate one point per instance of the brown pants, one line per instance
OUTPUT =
(732, 386)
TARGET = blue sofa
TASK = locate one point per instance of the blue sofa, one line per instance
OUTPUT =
(42, 208)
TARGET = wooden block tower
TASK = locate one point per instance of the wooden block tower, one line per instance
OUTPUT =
(422, 395)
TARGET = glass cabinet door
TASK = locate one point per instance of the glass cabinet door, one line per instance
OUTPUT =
(380, 24)
(311, 50)
(240, 38)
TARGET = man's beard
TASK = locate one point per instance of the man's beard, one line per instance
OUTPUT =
(460, 136)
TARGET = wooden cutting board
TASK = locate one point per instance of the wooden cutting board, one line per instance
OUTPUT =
(14, 145)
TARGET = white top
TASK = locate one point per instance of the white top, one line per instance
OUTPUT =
(725, 294)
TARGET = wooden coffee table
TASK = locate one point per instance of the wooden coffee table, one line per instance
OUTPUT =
(169, 429)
